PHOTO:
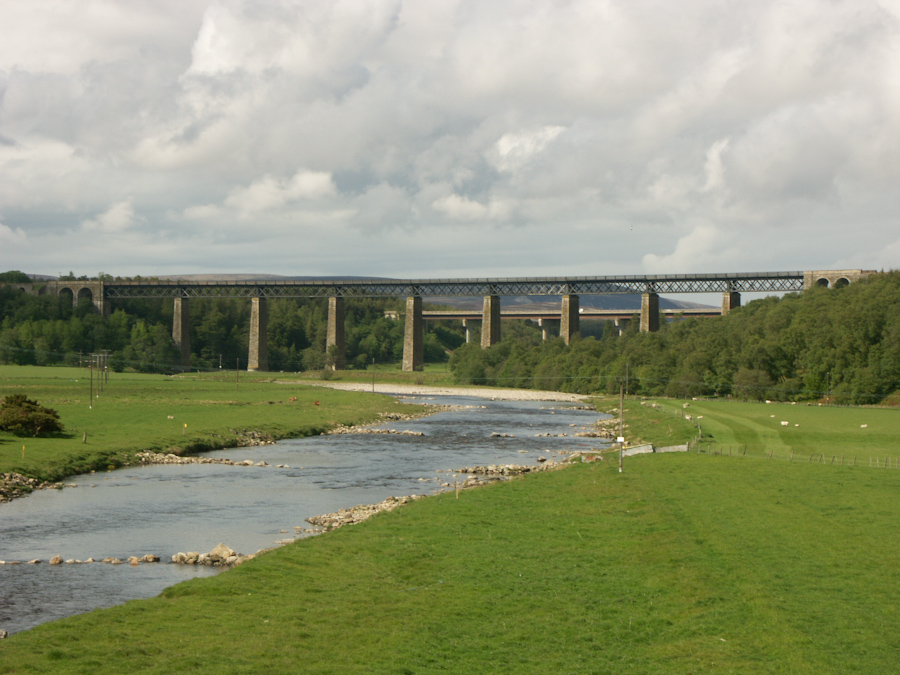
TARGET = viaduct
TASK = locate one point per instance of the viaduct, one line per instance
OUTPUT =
(182, 292)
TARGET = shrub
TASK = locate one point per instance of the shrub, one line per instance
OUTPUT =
(22, 416)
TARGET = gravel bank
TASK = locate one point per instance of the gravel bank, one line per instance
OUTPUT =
(424, 390)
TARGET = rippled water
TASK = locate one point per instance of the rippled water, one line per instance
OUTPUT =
(164, 509)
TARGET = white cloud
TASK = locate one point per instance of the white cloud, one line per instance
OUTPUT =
(513, 150)
(463, 208)
(706, 248)
(715, 173)
(117, 218)
(269, 193)
(12, 239)
(600, 135)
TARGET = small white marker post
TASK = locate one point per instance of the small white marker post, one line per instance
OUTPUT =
(621, 441)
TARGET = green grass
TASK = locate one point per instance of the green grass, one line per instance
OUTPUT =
(812, 430)
(133, 414)
(685, 563)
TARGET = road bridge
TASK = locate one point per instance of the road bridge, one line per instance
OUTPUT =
(567, 289)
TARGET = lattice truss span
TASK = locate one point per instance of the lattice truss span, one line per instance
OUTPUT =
(771, 282)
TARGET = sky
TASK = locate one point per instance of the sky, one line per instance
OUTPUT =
(449, 139)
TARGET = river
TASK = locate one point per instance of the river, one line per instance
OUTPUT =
(164, 509)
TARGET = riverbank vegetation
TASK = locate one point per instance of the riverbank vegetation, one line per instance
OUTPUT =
(188, 413)
(47, 330)
(683, 563)
(841, 345)
(835, 345)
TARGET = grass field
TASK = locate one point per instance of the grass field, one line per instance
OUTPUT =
(137, 412)
(684, 563)
(825, 433)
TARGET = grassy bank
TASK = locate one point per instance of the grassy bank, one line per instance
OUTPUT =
(825, 433)
(182, 414)
(683, 564)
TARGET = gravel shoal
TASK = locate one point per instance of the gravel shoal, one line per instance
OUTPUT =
(424, 390)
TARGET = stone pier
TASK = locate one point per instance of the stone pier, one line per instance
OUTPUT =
(335, 345)
(469, 325)
(259, 339)
(649, 313)
(622, 325)
(181, 330)
(490, 321)
(413, 336)
(730, 301)
(569, 322)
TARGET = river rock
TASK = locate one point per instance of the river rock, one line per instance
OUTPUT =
(359, 513)
(56, 560)
(150, 558)
(3, 634)
(36, 561)
(221, 551)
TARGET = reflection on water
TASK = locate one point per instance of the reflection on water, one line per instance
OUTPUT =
(164, 509)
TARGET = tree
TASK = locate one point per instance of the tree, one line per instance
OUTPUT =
(21, 416)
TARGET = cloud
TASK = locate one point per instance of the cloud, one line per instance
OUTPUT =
(515, 149)
(701, 249)
(462, 208)
(269, 193)
(12, 239)
(117, 218)
(598, 136)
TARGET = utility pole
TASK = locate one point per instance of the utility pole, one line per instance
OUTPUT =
(621, 438)
(373, 374)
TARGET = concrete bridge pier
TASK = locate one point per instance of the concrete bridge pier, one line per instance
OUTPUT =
(469, 325)
(181, 330)
(259, 338)
(335, 344)
(730, 301)
(569, 322)
(413, 336)
(649, 313)
(622, 325)
(490, 321)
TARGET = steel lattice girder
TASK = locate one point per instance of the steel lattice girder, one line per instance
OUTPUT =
(702, 283)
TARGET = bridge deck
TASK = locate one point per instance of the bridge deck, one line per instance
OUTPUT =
(401, 288)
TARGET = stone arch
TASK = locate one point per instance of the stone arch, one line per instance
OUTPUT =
(823, 282)
(841, 282)
(68, 293)
(85, 293)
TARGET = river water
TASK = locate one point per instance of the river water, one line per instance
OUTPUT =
(164, 509)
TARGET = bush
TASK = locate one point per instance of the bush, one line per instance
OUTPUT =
(22, 416)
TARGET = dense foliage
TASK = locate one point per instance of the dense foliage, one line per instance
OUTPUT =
(47, 330)
(20, 415)
(842, 344)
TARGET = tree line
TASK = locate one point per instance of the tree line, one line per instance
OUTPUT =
(49, 330)
(839, 344)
